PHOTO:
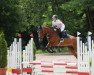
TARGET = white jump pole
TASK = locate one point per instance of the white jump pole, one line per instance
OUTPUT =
(83, 63)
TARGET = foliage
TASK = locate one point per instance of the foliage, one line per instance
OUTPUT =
(12, 18)
(75, 15)
(19, 15)
(71, 12)
(3, 51)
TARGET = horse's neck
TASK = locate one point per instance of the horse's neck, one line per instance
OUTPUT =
(50, 32)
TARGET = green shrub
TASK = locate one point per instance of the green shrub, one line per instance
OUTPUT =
(3, 51)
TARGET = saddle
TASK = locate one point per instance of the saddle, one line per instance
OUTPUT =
(63, 34)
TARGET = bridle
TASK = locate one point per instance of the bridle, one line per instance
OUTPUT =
(40, 38)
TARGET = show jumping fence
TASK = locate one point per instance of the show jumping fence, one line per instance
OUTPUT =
(85, 52)
(20, 62)
(16, 56)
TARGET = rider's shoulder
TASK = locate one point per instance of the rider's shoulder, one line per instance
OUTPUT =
(58, 20)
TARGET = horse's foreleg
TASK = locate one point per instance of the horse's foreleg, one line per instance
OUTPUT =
(48, 45)
(73, 51)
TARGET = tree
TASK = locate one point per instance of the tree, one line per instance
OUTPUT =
(3, 51)
(78, 16)
(12, 18)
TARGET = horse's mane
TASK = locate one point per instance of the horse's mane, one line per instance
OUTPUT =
(49, 27)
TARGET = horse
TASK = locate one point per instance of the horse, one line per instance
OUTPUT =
(54, 39)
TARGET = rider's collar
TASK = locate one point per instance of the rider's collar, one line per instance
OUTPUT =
(55, 20)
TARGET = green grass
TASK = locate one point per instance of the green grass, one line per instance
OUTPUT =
(63, 49)
(41, 51)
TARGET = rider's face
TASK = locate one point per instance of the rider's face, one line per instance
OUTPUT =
(53, 18)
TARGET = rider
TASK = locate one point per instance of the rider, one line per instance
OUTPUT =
(57, 23)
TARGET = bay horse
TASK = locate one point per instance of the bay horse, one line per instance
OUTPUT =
(54, 39)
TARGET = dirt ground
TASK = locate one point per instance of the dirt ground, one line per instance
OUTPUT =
(56, 56)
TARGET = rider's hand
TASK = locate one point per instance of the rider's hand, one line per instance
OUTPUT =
(54, 26)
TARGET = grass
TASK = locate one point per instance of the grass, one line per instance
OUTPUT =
(62, 50)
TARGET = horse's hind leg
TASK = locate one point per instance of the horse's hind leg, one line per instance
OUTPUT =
(73, 51)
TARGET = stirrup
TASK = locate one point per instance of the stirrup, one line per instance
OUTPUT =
(61, 39)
